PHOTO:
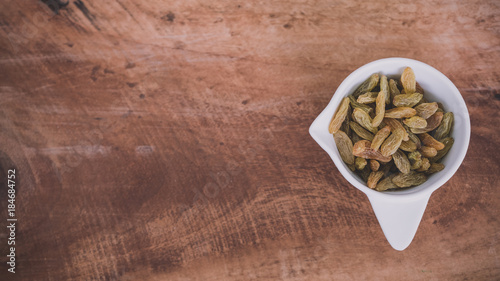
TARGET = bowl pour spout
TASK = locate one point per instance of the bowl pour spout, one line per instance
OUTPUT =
(398, 218)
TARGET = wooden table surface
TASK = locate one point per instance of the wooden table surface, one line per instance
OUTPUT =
(168, 140)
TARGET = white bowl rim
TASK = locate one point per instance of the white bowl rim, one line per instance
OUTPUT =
(400, 196)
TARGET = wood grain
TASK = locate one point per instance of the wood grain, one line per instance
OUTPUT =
(168, 140)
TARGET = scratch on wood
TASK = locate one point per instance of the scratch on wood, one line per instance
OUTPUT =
(87, 150)
(38, 58)
(55, 5)
(93, 75)
(169, 17)
(128, 12)
(144, 149)
(81, 6)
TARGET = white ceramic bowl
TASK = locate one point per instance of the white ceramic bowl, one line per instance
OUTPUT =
(399, 212)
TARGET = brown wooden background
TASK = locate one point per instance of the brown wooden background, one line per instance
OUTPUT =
(168, 140)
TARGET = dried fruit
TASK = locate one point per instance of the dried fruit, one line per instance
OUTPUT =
(365, 173)
(399, 84)
(428, 140)
(448, 143)
(393, 89)
(362, 149)
(386, 168)
(408, 80)
(444, 128)
(432, 123)
(345, 125)
(408, 146)
(425, 110)
(400, 112)
(344, 145)
(382, 132)
(360, 163)
(367, 85)
(413, 137)
(355, 104)
(407, 100)
(374, 165)
(415, 159)
(428, 151)
(425, 165)
(396, 125)
(384, 87)
(351, 167)
(401, 161)
(374, 178)
(423, 100)
(364, 120)
(415, 122)
(382, 125)
(360, 131)
(354, 137)
(339, 116)
(392, 143)
(411, 179)
(380, 136)
(386, 184)
(434, 168)
(418, 88)
(369, 97)
(380, 108)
